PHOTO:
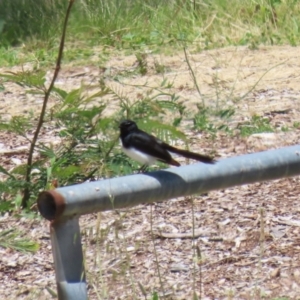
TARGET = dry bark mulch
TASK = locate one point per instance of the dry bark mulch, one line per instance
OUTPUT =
(247, 238)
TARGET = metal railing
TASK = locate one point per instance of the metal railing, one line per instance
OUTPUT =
(65, 205)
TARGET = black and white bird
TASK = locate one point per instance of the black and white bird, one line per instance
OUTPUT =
(147, 149)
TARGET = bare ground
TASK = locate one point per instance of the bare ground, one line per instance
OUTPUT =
(248, 236)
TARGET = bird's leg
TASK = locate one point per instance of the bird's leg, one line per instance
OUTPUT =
(143, 168)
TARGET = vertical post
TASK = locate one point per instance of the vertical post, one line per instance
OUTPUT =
(68, 259)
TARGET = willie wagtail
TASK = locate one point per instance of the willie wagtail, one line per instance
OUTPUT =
(147, 149)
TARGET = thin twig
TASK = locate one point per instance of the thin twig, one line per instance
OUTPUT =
(193, 76)
(43, 111)
(260, 78)
(195, 233)
(155, 253)
(195, 258)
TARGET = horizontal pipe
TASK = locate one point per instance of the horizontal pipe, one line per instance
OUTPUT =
(150, 187)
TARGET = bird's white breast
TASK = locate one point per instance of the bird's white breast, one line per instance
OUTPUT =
(139, 156)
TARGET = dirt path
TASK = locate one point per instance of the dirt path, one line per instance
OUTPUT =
(240, 259)
(223, 75)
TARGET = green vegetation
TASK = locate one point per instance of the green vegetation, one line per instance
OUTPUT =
(213, 121)
(88, 137)
(255, 125)
(157, 25)
(10, 238)
(84, 140)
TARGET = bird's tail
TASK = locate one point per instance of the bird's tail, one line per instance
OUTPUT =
(199, 157)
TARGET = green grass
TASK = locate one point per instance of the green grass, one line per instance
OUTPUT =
(257, 124)
(10, 238)
(79, 120)
(121, 25)
(134, 25)
(30, 32)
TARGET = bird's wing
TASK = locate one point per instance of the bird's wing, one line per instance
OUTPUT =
(150, 145)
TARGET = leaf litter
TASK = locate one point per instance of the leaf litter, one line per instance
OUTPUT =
(246, 243)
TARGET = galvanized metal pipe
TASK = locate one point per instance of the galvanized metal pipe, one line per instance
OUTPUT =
(170, 183)
(68, 259)
(64, 205)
